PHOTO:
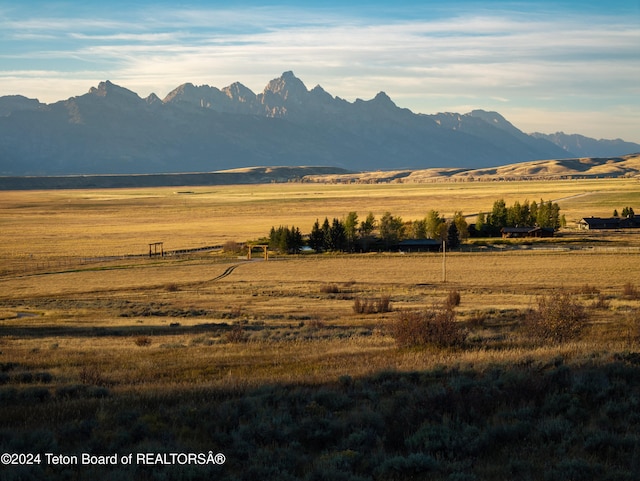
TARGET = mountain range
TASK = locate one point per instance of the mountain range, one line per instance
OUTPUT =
(112, 130)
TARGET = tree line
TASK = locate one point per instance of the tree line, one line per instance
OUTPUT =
(354, 235)
(543, 214)
(351, 234)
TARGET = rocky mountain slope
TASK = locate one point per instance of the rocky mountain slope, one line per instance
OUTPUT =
(588, 147)
(111, 130)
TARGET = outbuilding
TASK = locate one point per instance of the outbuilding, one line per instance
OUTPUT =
(517, 232)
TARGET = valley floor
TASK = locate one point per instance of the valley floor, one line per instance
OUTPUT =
(271, 366)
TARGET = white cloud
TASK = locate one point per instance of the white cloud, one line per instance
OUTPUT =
(466, 59)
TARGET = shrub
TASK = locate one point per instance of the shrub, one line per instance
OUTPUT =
(600, 302)
(234, 313)
(142, 341)
(316, 324)
(372, 306)
(436, 326)
(236, 334)
(631, 291)
(478, 318)
(73, 391)
(589, 290)
(43, 377)
(413, 466)
(453, 299)
(34, 394)
(232, 247)
(172, 287)
(359, 305)
(383, 304)
(93, 376)
(330, 289)
(558, 317)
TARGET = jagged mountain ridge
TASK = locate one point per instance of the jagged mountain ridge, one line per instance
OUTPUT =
(111, 130)
(588, 147)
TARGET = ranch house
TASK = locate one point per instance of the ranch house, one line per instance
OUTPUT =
(591, 223)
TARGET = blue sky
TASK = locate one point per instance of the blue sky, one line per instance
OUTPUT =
(545, 65)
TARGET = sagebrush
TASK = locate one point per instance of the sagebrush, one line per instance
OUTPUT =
(435, 326)
(557, 317)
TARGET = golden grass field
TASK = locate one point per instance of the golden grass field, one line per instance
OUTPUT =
(105, 350)
(141, 323)
(84, 223)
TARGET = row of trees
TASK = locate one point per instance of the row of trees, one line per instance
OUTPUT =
(286, 239)
(543, 214)
(350, 234)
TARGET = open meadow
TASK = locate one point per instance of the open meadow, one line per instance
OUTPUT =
(107, 351)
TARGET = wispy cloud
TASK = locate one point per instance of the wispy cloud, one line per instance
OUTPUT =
(427, 62)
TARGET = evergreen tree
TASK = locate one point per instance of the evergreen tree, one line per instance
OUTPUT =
(368, 225)
(481, 223)
(294, 240)
(316, 237)
(435, 225)
(337, 235)
(453, 239)
(273, 239)
(326, 235)
(285, 239)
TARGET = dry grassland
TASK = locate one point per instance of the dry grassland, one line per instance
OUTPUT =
(56, 225)
(105, 350)
(168, 322)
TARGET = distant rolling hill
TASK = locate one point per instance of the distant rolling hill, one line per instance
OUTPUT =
(625, 166)
(253, 175)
